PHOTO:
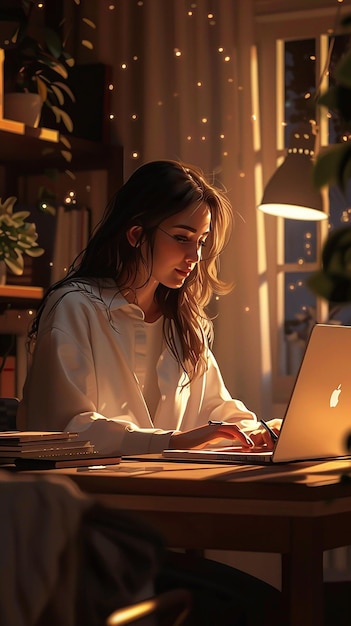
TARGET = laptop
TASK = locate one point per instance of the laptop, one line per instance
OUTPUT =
(317, 422)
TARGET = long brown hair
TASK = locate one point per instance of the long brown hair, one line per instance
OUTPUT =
(153, 193)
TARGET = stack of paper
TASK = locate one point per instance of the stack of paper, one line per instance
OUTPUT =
(48, 449)
(30, 443)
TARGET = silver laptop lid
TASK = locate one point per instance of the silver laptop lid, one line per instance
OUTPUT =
(317, 422)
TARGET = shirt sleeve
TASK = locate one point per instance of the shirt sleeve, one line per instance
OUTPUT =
(217, 402)
(60, 394)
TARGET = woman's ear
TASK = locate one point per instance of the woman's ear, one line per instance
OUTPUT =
(134, 235)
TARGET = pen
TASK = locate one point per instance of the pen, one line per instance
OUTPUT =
(273, 435)
(220, 423)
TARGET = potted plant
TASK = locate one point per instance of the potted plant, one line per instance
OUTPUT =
(17, 237)
(37, 63)
(333, 167)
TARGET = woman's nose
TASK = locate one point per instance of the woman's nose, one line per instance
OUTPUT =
(193, 252)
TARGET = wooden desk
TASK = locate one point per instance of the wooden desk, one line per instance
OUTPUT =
(297, 511)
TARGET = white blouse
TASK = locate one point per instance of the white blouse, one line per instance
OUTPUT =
(98, 368)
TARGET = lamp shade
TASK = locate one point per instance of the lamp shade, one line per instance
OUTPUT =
(290, 193)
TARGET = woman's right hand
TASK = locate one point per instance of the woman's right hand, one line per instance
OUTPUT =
(210, 433)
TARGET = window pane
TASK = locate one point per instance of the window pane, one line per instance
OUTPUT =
(300, 316)
(300, 81)
(300, 242)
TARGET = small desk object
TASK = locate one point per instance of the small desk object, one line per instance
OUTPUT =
(296, 510)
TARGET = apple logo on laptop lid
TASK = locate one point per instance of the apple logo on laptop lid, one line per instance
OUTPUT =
(334, 397)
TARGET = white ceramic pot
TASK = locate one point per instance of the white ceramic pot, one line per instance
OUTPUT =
(23, 107)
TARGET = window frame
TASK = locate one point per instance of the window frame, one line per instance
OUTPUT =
(272, 31)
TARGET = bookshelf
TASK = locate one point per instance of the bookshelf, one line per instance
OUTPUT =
(17, 307)
(25, 153)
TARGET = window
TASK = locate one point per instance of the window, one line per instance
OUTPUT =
(300, 48)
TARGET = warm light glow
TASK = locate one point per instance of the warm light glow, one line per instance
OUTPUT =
(291, 211)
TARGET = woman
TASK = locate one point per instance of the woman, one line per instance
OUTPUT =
(122, 352)
(122, 345)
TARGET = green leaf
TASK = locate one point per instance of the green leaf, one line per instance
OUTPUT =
(70, 174)
(87, 44)
(343, 70)
(329, 98)
(66, 142)
(16, 267)
(59, 69)
(20, 216)
(46, 207)
(65, 88)
(53, 42)
(62, 115)
(330, 164)
(58, 93)
(35, 252)
(42, 88)
(7, 205)
(333, 281)
(89, 22)
(67, 155)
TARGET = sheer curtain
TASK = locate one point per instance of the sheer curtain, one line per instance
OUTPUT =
(185, 86)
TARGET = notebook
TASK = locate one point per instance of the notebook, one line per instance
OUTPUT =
(317, 422)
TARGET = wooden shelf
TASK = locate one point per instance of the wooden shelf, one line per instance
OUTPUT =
(32, 150)
(17, 291)
(15, 296)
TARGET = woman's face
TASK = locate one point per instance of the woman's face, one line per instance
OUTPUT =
(180, 241)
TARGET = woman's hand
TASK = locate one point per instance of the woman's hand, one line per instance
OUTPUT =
(261, 437)
(211, 433)
(217, 431)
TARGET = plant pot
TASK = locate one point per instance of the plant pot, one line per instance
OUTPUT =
(3, 272)
(23, 107)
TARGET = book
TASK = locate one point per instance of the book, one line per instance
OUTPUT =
(46, 450)
(47, 447)
(14, 437)
(64, 461)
